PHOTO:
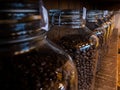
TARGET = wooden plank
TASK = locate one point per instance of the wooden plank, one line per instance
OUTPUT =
(65, 4)
(51, 4)
(106, 78)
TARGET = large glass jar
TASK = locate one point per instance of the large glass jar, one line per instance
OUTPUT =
(92, 24)
(69, 32)
(28, 60)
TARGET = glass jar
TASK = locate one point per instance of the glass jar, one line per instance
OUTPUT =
(101, 22)
(107, 21)
(112, 20)
(105, 25)
(95, 20)
(92, 24)
(28, 59)
(69, 32)
(108, 18)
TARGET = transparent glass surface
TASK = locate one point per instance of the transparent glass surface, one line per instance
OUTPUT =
(28, 60)
(69, 32)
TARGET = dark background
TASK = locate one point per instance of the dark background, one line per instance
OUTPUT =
(77, 4)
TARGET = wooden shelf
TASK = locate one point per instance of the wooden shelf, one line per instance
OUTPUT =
(106, 78)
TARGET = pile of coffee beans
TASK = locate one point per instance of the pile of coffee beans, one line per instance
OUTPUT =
(84, 55)
(37, 71)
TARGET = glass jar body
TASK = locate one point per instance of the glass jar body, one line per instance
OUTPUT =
(75, 41)
(28, 60)
(95, 23)
(45, 67)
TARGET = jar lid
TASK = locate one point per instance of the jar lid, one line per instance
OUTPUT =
(69, 17)
(20, 20)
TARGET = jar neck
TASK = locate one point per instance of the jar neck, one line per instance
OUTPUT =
(71, 26)
(100, 16)
(17, 10)
(92, 20)
(20, 46)
(91, 16)
(20, 26)
(69, 18)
